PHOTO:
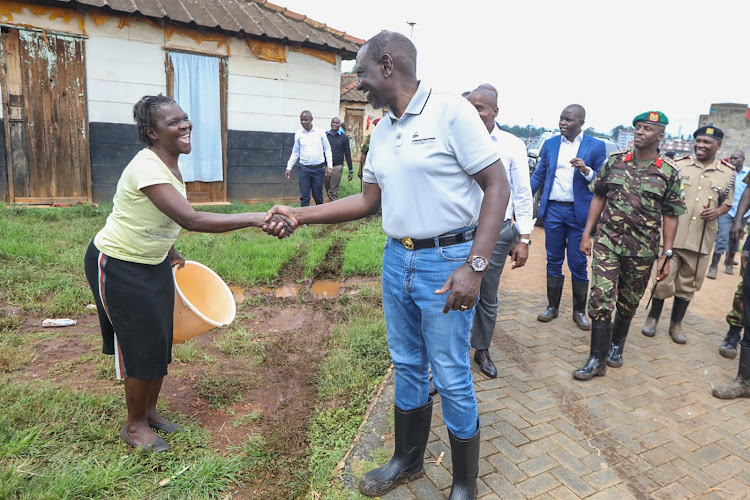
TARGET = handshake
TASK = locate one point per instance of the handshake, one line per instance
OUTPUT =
(280, 222)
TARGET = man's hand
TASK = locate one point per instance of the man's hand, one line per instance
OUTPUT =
(743, 259)
(579, 165)
(287, 174)
(280, 222)
(735, 234)
(329, 172)
(662, 268)
(463, 284)
(586, 244)
(351, 174)
(520, 255)
(709, 213)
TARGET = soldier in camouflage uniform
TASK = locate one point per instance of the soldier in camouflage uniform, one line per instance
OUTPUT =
(740, 387)
(735, 319)
(633, 192)
(709, 193)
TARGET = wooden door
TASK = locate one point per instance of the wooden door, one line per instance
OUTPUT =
(44, 103)
(353, 119)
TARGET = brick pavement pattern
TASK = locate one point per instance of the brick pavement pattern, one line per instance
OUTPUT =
(650, 429)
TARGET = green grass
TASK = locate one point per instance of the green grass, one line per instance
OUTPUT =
(59, 443)
(41, 253)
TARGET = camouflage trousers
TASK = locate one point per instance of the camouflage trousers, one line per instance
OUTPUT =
(736, 316)
(616, 281)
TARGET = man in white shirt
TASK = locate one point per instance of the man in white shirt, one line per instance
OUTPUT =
(312, 149)
(567, 163)
(513, 155)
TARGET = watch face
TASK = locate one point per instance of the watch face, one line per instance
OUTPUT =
(478, 263)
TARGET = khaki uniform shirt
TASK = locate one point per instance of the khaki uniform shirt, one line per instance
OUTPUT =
(715, 179)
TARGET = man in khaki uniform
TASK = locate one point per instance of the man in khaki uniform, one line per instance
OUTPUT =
(709, 193)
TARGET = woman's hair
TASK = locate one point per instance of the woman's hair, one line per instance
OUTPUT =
(143, 114)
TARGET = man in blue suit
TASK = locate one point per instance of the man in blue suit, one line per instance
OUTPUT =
(567, 163)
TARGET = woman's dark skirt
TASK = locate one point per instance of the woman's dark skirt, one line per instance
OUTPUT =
(135, 303)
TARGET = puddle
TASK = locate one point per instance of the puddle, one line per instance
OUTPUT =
(239, 293)
(286, 292)
(326, 289)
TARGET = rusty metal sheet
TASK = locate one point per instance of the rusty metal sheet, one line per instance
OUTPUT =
(253, 17)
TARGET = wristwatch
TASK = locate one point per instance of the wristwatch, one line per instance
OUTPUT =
(477, 263)
(525, 240)
(668, 253)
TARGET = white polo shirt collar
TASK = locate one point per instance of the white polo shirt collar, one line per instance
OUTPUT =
(417, 103)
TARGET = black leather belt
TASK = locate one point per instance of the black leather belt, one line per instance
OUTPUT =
(442, 241)
(563, 202)
(315, 166)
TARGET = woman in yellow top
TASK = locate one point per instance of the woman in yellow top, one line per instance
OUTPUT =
(128, 264)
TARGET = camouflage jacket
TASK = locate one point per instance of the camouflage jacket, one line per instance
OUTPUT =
(636, 199)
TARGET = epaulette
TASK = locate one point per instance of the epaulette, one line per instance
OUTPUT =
(620, 152)
(686, 157)
(726, 164)
(669, 161)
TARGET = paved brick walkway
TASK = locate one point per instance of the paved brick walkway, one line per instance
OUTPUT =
(650, 429)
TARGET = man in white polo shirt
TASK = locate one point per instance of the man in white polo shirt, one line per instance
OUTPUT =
(312, 149)
(430, 159)
(513, 156)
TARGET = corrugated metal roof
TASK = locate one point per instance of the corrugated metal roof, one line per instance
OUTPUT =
(348, 91)
(257, 18)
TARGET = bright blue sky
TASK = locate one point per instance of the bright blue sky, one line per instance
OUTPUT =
(617, 59)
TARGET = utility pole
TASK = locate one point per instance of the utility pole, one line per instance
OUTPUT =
(411, 23)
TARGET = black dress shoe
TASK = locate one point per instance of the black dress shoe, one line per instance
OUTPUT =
(482, 357)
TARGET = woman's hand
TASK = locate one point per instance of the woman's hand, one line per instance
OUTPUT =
(175, 259)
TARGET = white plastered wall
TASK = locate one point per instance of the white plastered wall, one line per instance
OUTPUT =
(125, 63)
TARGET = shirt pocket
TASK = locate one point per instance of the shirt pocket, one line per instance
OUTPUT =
(654, 188)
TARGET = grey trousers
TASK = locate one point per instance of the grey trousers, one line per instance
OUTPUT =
(486, 314)
(331, 184)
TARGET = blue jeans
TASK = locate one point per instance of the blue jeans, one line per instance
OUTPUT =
(723, 243)
(310, 178)
(420, 335)
(561, 233)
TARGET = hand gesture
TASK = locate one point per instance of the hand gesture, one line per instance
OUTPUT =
(579, 165)
(280, 222)
(463, 285)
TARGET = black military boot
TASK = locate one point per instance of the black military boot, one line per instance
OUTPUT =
(411, 429)
(580, 292)
(465, 456)
(729, 263)
(740, 388)
(554, 292)
(600, 340)
(728, 349)
(679, 306)
(649, 329)
(714, 267)
(619, 333)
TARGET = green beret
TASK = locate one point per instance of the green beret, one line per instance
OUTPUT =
(655, 117)
(710, 131)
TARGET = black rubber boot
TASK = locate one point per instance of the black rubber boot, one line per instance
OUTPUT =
(580, 293)
(554, 292)
(600, 341)
(411, 430)
(679, 306)
(728, 349)
(714, 267)
(649, 329)
(729, 263)
(740, 388)
(620, 329)
(465, 455)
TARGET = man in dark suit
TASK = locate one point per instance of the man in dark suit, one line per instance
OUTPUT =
(567, 163)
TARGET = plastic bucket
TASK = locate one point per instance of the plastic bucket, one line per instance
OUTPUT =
(202, 301)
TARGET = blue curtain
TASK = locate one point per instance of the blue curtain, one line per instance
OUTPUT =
(196, 90)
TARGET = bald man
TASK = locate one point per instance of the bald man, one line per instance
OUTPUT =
(567, 163)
